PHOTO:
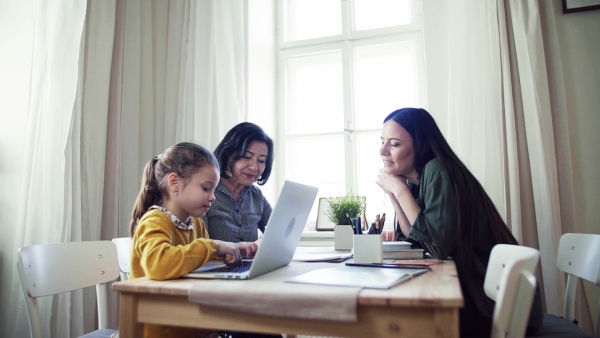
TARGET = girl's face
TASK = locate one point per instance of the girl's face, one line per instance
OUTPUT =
(196, 194)
(397, 151)
(248, 169)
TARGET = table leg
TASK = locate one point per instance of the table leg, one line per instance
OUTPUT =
(129, 327)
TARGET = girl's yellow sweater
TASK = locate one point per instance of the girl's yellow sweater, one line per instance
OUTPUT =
(162, 251)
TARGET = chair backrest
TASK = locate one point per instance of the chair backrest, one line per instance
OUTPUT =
(579, 257)
(49, 269)
(124, 245)
(509, 281)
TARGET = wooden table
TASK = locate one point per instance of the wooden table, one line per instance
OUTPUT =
(426, 306)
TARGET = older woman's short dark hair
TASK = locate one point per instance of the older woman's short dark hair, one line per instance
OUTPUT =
(234, 146)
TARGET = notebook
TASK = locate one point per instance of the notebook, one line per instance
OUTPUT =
(366, 277)
(279, 242)
(320, 254)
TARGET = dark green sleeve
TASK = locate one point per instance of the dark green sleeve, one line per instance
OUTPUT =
(435, 227)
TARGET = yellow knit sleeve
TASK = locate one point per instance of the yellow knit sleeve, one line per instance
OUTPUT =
(161, 251)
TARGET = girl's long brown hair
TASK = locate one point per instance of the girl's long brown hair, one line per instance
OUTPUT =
(183, 159)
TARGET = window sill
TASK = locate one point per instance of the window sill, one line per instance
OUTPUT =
(312, 238)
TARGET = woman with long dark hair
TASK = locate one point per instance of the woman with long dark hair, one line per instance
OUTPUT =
(442, 207)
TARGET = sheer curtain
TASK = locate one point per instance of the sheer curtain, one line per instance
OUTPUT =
(505, 96)
(216, 75)
(50, 194)
(178, 74)
(113, 84)
(183, 79)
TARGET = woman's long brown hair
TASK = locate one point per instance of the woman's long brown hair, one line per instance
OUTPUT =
(429, 143)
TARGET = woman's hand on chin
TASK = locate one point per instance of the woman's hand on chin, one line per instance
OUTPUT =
(391, 184)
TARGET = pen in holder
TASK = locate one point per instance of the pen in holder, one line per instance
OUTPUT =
(356, 226)
(368, 248)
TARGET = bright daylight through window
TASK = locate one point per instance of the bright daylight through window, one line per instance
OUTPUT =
(343, 65)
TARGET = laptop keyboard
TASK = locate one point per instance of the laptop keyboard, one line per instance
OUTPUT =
(240, 268)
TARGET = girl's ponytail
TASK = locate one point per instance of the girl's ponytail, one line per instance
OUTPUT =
(149, 195)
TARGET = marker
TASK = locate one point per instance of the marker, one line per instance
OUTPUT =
(356, 226)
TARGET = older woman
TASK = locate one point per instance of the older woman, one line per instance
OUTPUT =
(245, 157)
(441, 206)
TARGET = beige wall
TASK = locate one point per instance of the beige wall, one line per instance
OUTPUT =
(579, 44)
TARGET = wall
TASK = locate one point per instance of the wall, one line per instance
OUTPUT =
(580, 54)
(579, 45)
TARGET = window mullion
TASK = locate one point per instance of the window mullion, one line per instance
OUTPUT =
(349, 123)
(346, 20)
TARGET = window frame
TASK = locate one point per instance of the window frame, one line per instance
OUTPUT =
(344, 42)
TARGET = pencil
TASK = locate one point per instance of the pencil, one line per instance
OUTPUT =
(348, 218)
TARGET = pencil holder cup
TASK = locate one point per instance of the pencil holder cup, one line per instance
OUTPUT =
(342, 237)
(368, 249)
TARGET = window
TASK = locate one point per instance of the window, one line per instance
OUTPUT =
(343, 65)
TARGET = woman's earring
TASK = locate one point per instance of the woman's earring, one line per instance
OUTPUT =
(177, 193)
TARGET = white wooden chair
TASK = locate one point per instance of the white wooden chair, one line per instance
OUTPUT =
(124, 245)
(579, 257)
(510, 282)
(49, 269)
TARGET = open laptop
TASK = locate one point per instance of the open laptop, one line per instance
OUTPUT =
(279, 242)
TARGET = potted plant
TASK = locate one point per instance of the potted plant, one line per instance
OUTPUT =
(341, 206)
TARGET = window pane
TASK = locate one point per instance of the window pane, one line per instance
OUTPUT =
(309, 19)
(371, 14)
(368, 165)
(315, 94)
(385, 79)
(317, 161)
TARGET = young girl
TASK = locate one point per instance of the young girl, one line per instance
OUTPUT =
(169, 236)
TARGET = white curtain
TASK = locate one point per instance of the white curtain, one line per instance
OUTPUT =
(109, 91)
(501, 119)
(184, 79)
(178, 75)
(535, 110)
(216, 74)
(51, 190)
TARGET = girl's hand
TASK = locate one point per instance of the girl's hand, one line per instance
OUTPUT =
(229, 252)
(247, 249)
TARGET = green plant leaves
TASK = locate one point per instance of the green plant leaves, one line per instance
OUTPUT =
(346, 204)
